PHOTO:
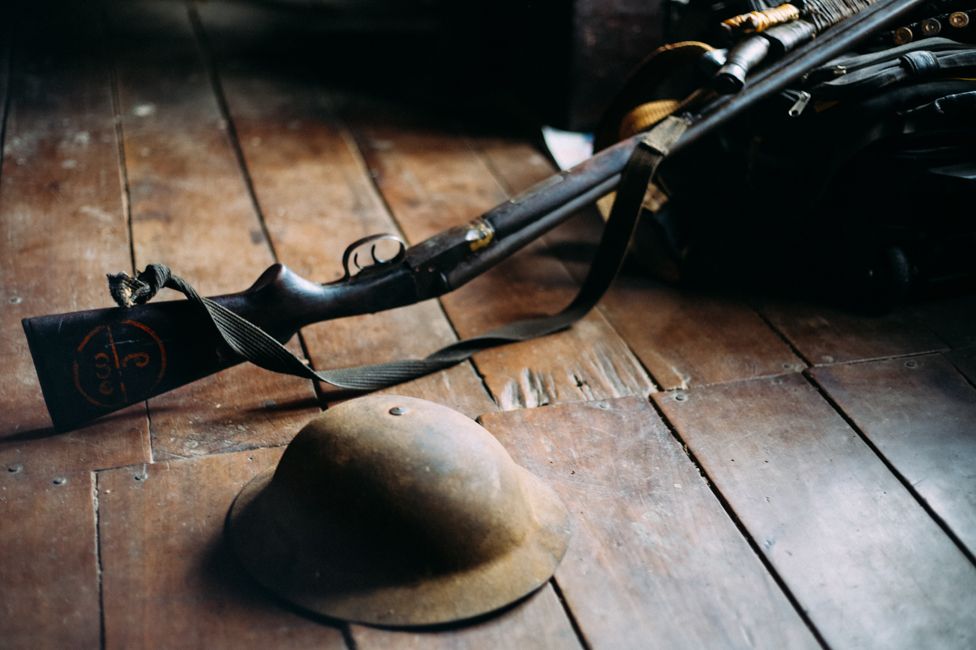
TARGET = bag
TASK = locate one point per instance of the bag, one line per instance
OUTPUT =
(857, 183)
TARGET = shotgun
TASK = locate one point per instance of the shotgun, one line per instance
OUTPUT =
(91, 363)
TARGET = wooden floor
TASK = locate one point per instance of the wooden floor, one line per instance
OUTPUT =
(741, 473)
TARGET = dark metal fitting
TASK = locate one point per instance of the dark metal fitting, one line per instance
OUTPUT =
(903, 35)
(350, 257)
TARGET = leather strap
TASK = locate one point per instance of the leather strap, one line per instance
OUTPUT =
(260, 348)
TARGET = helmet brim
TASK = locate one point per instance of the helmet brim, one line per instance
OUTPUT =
(280, 551)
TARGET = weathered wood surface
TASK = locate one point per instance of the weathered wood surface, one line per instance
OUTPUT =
(824, 335)
(316, 198)
(654, 560)
(862, 557)
(954, 319)
(228, 138)
(48, 564)
(538, 622)
(61, 227)
(920, 413)
(191, 210)
(965, 360)
(682, 338)
(432, 180)
(168, 578)
(60, 208)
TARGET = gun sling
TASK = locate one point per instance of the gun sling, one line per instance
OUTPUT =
(255, 345)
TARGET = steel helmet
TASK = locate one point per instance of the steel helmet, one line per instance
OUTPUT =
(397, 511)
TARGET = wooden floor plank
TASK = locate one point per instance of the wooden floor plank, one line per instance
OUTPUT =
(191, 210)
(317, 198)
(62, 227)
(429, 193)
(825, 335)
(682, 338)
(965, 360)
(169, 578)
(920, 415)
(538, 622)
(953, 319)
(862, 557)
(654, 560)
(48, 564)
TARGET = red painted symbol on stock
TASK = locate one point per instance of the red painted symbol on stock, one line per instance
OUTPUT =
(119, 364)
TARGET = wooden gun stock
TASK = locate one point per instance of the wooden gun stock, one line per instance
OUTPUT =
(93, 362)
